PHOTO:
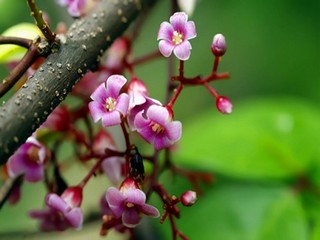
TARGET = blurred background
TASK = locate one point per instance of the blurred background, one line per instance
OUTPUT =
(265, 156)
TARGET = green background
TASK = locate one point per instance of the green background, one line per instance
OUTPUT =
(265, 157)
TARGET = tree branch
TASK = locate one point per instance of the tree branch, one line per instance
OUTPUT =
(86, 41)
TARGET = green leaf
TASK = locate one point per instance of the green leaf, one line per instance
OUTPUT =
(10, 52)
(264, 138)
(231, 211)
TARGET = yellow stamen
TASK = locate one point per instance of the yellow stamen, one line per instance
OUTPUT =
(157, 128)
(177, 38)
(110, 104)
(130, 205)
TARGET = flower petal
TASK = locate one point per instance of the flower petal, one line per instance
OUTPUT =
(135, 196)
(122, 103)
(56, 202)
(161, 142)
(140, 122)
(166, 48)
(111, 118)
(100, 94)
(182, 51)
(178, 21)
(97, 110)
(75, 217)
(131, 217)
(166, 31)
(115, 200)
(174, 130)
(190, 30)
(114, 84)
(16, 164)
(112, 168)
(34, 173)
(150, 210)
(158, 114)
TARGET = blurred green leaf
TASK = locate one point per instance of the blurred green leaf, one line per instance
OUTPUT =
(264, 138)
(231, 211)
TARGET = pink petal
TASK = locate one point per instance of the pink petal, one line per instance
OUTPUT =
(173, 131)
(100, 94)
(158, 114)
(166, 48)
(56, 202)
(166, 31)
(75, 217)
(115, 200)
(140, 122)
(112, 168)
(182, 51)
(190, 30)
(148, 134)
(111, 118)
(123, 103)
(96, 110)
(178, 21)
(16, 164)
(130, 217)
(150, 210)
(161, 142)
(135, 196)
(34, 173)
(114, 85)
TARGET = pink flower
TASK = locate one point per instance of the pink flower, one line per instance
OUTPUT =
(62, 211)
(75, 7)
(107, 104)
(28, 160)
(139, 100)
(174, 36)
(129, 203)
(156, 127)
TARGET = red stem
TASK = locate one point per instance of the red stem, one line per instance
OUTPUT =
(22, 42)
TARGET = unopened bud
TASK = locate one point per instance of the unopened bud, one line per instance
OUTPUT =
(188, 198)
(219, 45)
(73, 196)
(224, 104)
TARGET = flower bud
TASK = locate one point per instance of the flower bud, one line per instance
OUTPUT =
(72, 196)
(219, 45)
(224, 104)
(188, 198)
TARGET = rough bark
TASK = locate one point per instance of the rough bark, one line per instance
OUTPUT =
(85, 42)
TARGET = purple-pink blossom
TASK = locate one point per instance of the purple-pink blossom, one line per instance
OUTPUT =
(224, 104)
(28, 160)
(174, 36)
(129, 203)
(75, 7)
(156, 127)
(62, 212)
(108, 104)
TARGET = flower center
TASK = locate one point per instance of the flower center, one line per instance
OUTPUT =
(33, 154)
(157, 128)
(177, 38)
(110, 104)
(130, 205)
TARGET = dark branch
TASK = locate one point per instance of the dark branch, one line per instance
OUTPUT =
(86, 41)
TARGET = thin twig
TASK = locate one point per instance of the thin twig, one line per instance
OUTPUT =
(7, 188)
(28, 59)
(22, 42)
(41, 23)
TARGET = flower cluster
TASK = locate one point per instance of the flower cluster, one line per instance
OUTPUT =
(124, 104)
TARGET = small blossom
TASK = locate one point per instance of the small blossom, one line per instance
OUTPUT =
(224, 104)
(188, 198)
(62, 212)
(219, 45)
(129, 203)
(156, 127)
(107, 104)
(116, 55)
(174, 36)
(75, 7)
(137, 91)
(28, 160)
